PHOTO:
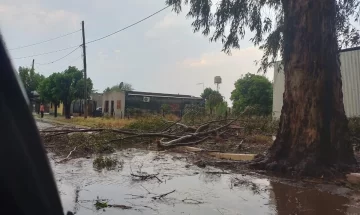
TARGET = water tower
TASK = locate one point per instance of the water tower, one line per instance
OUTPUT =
(217, 81)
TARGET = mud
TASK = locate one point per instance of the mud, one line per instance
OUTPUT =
(193, 187)
(197, 190)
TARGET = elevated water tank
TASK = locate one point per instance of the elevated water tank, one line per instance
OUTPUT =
(217, 80)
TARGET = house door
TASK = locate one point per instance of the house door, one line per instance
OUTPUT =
(112, 108)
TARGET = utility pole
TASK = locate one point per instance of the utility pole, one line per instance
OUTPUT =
(32, 65)
(85, 76)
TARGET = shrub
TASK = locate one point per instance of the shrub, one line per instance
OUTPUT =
(147, 123)
(106, 162)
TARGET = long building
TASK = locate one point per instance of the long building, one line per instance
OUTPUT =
(119, 104)
(350, 73)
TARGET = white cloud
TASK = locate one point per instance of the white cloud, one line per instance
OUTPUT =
(211, 64)
(35, 18)
(170, 21)
(240, 58)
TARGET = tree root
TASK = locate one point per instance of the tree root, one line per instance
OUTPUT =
(306, 167)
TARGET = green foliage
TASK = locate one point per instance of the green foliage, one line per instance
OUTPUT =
(193, 114)
(207, 92)
(79, 88)
(99, 204)
(106, 163)
(68, 82)
(221, 110)
(213, 98)
(31, 80)
(119, 88)
(49, 90)
(165, 108)
(254, 91)
(64, 87)
(265, 19)
(148, 123)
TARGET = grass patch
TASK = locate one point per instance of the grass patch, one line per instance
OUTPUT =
(149, 123)
(100, 204)
(106, 163)
(262, 139)
(96, 122)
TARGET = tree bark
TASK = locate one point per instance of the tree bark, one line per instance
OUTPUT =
(313, 136)
(55, 109)
(67, 107)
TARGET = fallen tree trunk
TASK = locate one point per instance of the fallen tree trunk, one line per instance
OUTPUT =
(168, 138)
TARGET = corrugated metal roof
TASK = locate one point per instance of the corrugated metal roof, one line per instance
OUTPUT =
(163, 96)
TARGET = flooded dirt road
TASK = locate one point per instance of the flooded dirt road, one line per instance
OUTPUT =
(192, 190)
(197, 191)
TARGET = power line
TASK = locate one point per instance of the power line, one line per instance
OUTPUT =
(70, 62)
(60, 58)
(21, 47)
(128, 25)
(76, 47)
(45, 53)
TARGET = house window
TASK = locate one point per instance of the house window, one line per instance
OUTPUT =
(50, 105)
(106, 109)
(118, 104)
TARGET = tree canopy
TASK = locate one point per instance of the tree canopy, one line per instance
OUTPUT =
(313, 137)
(255, 91)
(212, 97)
(207, 92)
(65, 87)
(31, 80)
(119, 87)
(264, 19)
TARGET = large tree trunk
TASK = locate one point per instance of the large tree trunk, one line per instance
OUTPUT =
(313, 137)
(55, 109)
(67, 107)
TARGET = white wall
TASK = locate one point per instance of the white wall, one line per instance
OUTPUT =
(114, 96)
(350, 72)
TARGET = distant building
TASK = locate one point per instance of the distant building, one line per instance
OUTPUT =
(119, 104)
(97, 97)
(60, 109)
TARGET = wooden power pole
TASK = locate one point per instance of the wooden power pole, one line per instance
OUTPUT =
(32, 65)
(85, 76)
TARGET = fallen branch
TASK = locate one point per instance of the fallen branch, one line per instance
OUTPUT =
(172, 142)
(177, 143)
(145, 135)
(67, 157)
(202, 127)
(191, 201)
(162, 195)
(121, 131)
(168, 127)
(124, 207)
(147, 176)
(180, 141)
(135, 196)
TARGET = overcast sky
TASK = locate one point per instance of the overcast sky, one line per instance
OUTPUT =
(161, 54)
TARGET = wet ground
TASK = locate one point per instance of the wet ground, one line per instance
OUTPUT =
(197, 190)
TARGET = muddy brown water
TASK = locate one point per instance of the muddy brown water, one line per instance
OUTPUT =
(197, 190)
